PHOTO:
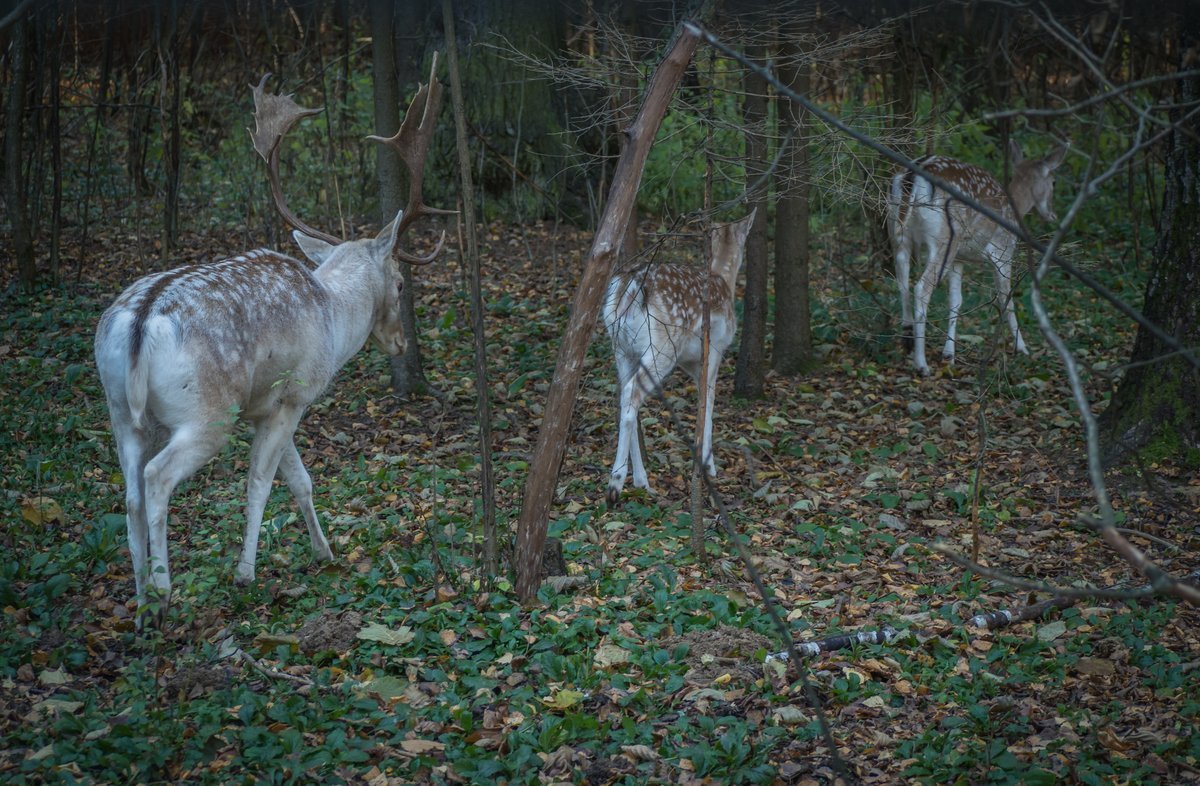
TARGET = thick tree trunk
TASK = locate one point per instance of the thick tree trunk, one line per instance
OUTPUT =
(793, 333)
(598, 269)
(1155, 411)
(408, 377)
(14, 174)
(749, 376)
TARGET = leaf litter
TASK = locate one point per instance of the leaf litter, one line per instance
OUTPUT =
(838, 481)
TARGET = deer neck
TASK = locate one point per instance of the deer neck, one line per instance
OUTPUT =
(353, 303)
(1019, 195)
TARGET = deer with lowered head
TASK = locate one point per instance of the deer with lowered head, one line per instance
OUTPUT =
(655, 317)
(924, 218)
(184, 353)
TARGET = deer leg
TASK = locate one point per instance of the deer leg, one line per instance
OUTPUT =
(621, 461)
(645, 383)
(293, 471)
(903, 271)
(955, 308)
(706, 450)
(1003, 272)
(641, 383)
(133, 447)
(185, 452)
(921, 295)
(271, 436)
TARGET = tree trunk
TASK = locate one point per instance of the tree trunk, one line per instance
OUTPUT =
(1155, 412)
(793, 335)
(408, 377)
(411, 37)
(169, 89)
(14, 175)
(750, 373)
(387, 110)
(598, 269)
(54, 50)
(470, 256)
(138, 130)
(85, 212)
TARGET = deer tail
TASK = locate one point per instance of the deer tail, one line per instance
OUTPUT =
(137, 389)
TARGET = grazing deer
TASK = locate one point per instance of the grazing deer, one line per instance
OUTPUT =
(655, 316)
(184, 353)
(922, 216)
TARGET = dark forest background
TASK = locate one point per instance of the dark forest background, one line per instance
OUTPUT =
(129, 117)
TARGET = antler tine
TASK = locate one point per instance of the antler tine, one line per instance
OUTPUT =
(274, 116)
(413, 259)
(411, 143)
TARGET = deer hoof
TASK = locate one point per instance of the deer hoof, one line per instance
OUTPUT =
(613, 496)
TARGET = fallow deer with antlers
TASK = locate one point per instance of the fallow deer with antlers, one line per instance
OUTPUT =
(184, 353)
(922, 216)
(655, 317)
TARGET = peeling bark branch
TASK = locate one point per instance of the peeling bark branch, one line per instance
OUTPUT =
(598, 268)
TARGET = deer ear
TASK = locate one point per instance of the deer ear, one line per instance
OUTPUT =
(1055, 159)
(1014, 152)
(385, 241)
(746, 223)
(315, 249)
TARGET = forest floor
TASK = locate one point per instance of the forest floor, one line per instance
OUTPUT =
(399, 664)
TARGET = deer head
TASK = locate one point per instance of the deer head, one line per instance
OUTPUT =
(1032, 184)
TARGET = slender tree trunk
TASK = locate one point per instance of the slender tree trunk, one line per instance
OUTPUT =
(793, 335)
(749, 376)
(138, 131)
(598, 269)
(1155, 411)
(408, 378)
(471, 257)
(14, 175)
(85, 212)
(54, 132)
(624, 96)
(169, 89)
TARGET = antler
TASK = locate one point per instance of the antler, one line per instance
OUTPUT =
(274, 116)
(411, 143)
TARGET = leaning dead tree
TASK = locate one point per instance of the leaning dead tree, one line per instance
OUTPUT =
(598, 269)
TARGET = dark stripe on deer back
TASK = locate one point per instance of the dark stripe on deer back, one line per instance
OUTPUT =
(146, 306)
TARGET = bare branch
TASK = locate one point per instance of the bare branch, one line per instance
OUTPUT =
(1091, 101)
